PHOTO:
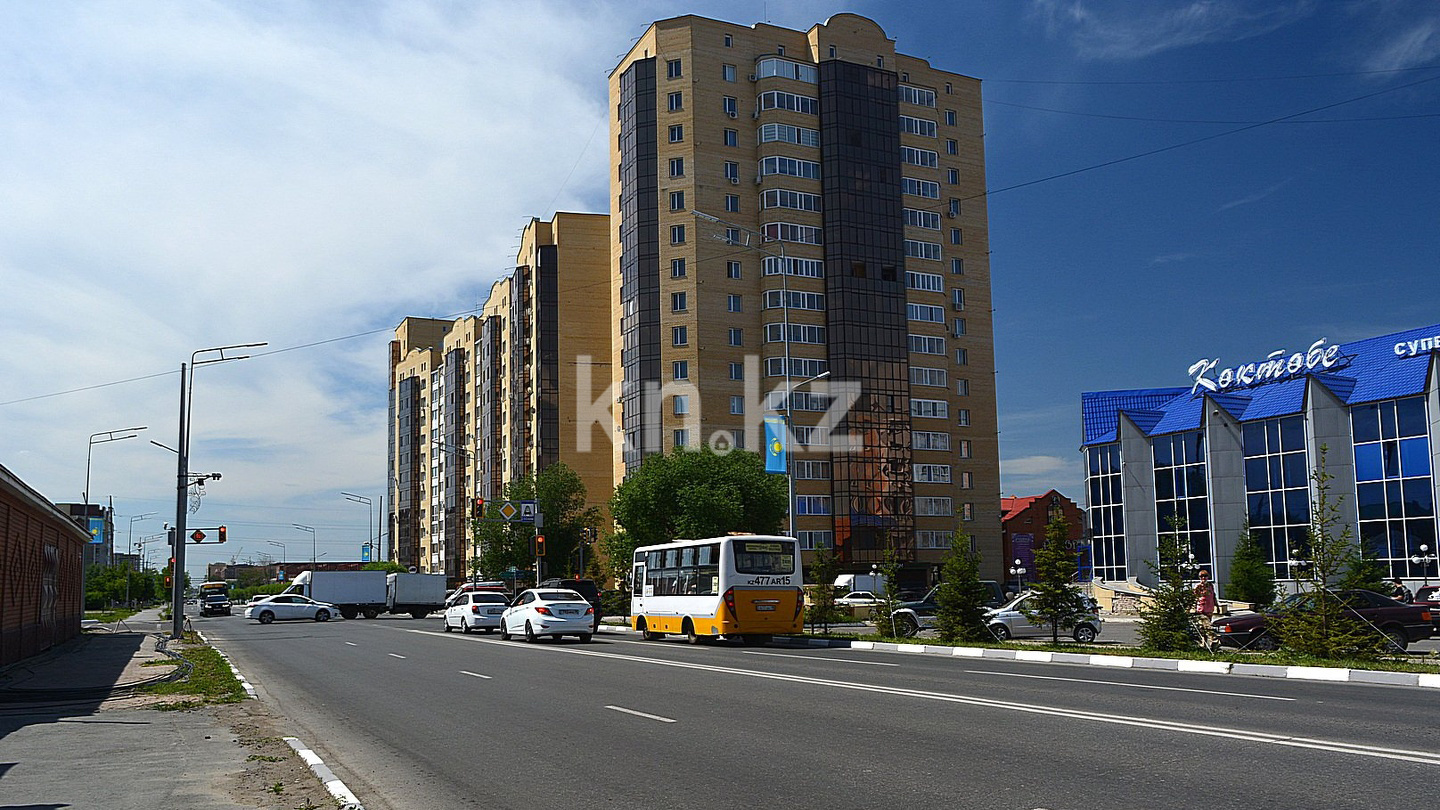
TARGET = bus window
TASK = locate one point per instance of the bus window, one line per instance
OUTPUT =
(764, 557)
(687, 558)
(655, 560)
(672, 558)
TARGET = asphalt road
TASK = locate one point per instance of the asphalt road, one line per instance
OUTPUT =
(410, 717)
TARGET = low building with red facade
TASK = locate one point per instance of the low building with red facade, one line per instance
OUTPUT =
(41, 551)
(1022, 527)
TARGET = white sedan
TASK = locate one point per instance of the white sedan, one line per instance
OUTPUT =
(548, 612)
(477, 610)
(289, 606)
(858, 599)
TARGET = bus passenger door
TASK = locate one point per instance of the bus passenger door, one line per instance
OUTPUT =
(638, 590)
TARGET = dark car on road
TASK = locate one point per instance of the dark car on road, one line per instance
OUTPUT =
(1397, 621)
(214, 604)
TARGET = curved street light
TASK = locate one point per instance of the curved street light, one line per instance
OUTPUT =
(311, 530)
(352, 497)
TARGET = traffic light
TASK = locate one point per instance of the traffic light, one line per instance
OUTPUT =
(222, 534)
(539, 545)
(479, 508)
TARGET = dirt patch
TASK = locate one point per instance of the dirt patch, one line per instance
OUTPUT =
(275, 778)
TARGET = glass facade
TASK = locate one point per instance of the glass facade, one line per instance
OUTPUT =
(1394, 490)
(639, 259)
(1181, 495)
(1277, 488)
(1107, 511)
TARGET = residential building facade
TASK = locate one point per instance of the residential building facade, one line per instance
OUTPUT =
(1023, 522)
(790, 205)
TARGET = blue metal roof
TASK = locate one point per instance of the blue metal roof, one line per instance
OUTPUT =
(1379, 368)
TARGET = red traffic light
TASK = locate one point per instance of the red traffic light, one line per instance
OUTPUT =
(479, 507)
(539, 545)
(221, 530)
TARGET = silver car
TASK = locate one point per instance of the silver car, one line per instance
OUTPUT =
(1009, 621)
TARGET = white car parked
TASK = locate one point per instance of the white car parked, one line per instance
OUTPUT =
(476, 610)
(289, 606)
(548, 612)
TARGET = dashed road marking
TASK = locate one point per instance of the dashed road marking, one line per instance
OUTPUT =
(641, 714)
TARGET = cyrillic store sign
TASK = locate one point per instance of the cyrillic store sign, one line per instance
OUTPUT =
(1414, 348)
(1274, 368)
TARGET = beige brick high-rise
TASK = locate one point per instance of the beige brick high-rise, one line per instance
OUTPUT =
(849, 182)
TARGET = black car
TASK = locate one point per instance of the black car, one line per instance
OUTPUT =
(584, 587)
(214, 605)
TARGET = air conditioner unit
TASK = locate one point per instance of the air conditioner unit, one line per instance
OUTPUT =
(734, 114)
(953, 214)
(734, 181)
(752, 77)
(756, 115)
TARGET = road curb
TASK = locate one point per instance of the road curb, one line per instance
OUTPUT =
(337, 788)
(1329, 674)
(244, 684)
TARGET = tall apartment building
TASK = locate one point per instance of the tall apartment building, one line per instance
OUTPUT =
(842, 228)
(478, 402)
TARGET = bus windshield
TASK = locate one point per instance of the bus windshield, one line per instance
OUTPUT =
(764, 557)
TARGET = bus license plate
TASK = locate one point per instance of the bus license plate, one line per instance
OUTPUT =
(764, 607)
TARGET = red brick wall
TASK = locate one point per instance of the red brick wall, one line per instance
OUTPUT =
(39, 577)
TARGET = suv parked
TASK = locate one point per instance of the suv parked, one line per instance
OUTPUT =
(912, 617)
(584, 587)
(1009, 621)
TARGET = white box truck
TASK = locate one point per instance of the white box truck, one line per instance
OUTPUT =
(416, 594)
(354, 593)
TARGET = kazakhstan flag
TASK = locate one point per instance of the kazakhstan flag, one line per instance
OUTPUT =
(775, 448)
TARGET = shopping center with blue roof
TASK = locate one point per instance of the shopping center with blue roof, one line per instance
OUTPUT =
(1239, 447)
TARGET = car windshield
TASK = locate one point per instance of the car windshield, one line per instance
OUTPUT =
(560, 596)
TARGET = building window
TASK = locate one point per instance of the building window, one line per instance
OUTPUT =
(677, 167)
(929, 408)
(1181, 492)
(929, 440)
(679, 336)
(964, 451)
(781, 100)
(1277, 481)
(786, 133)
(919, 157)
(682, 438)
(962, 357)
(735, 303)
(928, 282)
(956, 237)
(732, 137)
(727, 72)
(925, 344)
(676, 102)
(832, 51)
(729, 105)
(737, 405)
(780, 49)
(935, 377)
(812, 504)
(918, 96)
(737, 371)
(732, 171)
(732, 202)
(791, 232)
(672, 69)
(798, 333)
(926, 313)
(967, 480)
(733, 237)
(808, 169)
(932, 473)
(934, 507)
(677, 201)
(777, 299)
(919, 218)
(737, 438)
(680, 369)
(1106, 511)
(962, 387)
(680, 404)
(807, 268)
(919, 188)
(963, 419)
(811, 470)
(812, 540)
(951, 147)
(677, 234)
(952, 176)
(957, 327)
(932, 538)
(967, 511)
(677, 133)
(954, 207)
(677, 302)
(917, 126)
(737, 337)
(801, 367)
(957, 266)
(732, 269)
(949, 118)
(795, 200)
(916, 249)
(729, 41)
(677, 268)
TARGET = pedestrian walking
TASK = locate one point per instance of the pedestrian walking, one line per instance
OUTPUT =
(1205, 605)
(1399, 592)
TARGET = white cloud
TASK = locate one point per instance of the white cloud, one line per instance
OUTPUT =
(1257, 196)
(1032, 466)
(1110, 31)
(1411, 43)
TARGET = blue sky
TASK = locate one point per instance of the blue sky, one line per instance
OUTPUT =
(180, 176)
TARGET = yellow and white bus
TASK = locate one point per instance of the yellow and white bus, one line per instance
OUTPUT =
(743, 586)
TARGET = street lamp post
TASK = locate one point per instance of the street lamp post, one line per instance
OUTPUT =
(1424, 558)
(96, 438)
(284, 553)
(350, 496)
(130, 543)
(313, 556)
(1018, 571)
(182, 476)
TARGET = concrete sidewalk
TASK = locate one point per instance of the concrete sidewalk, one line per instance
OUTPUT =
(73, 734)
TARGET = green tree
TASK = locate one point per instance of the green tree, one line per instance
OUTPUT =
(617, 549)
(699, 493)
(386, 566)
(1056, 601)
(560, 496)
(1251, 578)
(1166, 615)
(1365, 570)
(823, 569)
(960, 598)
(883, 613)
(1323, 627)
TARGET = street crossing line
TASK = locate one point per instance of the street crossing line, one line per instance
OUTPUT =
(475, 675)
(1122, 683)
(393, 655)
(1333, 746)
(642, 714)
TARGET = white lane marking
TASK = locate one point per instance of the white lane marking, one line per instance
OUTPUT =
(820, 658)
(352, 644)
(1130, 685)
(393, 655)
(641, 714)
(475, 675)
(1354, 749)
